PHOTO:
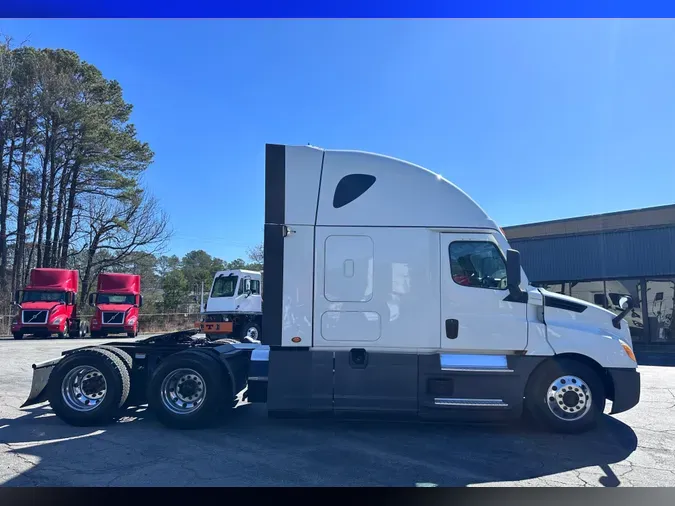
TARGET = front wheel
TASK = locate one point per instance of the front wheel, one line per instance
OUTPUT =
(18, 335)
(65, 332)
(565, 396)
(189, 390)
(250, 330)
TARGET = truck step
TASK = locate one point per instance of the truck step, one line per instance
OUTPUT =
(470, 403)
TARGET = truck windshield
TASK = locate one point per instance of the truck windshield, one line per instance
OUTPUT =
(224, 286)
(39, 296)
(114, 298)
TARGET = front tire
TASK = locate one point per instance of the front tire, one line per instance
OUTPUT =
(190, 390)
(250, 330)
(565, 396)
(66, 332)
(89, 387)
(17, 335)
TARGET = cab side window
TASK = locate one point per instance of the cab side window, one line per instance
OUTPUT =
(477, 264)
(255, 287)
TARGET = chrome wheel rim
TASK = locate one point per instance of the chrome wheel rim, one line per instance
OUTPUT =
(252, 332)
(183, 391)
(569, 398)
(84, 388)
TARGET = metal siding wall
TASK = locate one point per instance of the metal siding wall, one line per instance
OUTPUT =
(634, 253)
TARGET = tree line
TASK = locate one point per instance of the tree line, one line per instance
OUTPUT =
(70, 186)
(70, 171)
(171, 284)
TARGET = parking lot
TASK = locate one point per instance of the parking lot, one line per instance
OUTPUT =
(632, 449)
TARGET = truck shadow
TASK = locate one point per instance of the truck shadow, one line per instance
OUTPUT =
(253, 450)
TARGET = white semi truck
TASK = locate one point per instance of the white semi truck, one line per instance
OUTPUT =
(234, 306)
(389, 291)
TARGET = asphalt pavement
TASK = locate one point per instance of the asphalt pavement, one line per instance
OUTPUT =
(636, 448)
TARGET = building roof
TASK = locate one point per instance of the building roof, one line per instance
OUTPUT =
(649, 217)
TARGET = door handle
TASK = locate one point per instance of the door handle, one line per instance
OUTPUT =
(451, 328)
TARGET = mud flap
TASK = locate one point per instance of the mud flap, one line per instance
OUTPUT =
(41, 373)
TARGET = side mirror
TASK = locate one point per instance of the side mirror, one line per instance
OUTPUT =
(513, 268)
(17, 297)
(626, 303)
(92, 297)
(513, 276)
(140, 301)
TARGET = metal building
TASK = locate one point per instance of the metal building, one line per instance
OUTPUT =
(603, 257)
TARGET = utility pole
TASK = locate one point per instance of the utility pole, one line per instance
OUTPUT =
(201, 302)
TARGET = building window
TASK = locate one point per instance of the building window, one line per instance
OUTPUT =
(477, 264)
(590, 291)
(660, 309)
(561, 288)
(607, 294)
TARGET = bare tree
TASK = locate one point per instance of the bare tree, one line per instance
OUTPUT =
(120, 229)
(255, 254)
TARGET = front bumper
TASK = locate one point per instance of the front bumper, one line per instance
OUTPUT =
(216, 327)
(626, 389)
(114, 329)
(39, 329)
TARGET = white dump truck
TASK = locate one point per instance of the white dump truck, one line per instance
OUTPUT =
(389, 292)
(234, 306)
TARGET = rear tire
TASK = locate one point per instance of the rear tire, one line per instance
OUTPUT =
(123, 355)
(190, 390)
(89, 377)
(80, 333)
(565, 396)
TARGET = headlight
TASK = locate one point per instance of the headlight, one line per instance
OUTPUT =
(131, 320)
(57, 320)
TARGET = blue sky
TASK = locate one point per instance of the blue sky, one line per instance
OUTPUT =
(535, 119)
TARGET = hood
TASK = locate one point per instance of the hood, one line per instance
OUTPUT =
(114, 307)
(32, 306)
(566, 302)
(563, 307)
(221, 304)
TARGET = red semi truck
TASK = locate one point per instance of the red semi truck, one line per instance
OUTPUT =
(117, 300)
(48, 305)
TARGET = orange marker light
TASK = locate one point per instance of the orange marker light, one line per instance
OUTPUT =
(296, 339)
(628, 351)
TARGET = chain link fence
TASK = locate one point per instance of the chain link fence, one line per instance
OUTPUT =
(148, 323)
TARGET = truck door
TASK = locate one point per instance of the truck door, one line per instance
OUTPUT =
(475, 311)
